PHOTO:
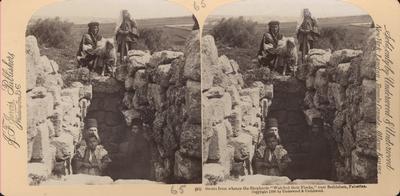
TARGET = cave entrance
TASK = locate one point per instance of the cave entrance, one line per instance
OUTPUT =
(116, 137)
(309, 150)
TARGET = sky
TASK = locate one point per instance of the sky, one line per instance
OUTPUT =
(288, 8)
(111, 8)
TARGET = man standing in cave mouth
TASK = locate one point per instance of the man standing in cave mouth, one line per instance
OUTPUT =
(133, 160)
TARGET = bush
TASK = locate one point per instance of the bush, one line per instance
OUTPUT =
(337, 38)
(235, 32)
(154, 39)
(51, 32)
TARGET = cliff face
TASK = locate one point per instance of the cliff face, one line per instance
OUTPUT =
(162, 89)
(341, 90)
(55, 114)
(231, 114)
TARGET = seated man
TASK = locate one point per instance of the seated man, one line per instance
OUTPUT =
(86, 54)
(268, 54)
(90, 157)
(270, 159)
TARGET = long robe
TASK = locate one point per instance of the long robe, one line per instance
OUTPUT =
(307, 33)
(90, 162)
(268, 44)
(127, 35)
(86, 51)
(267, 163)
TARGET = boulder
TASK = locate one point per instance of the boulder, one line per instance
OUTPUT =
(162, 75)
(156, 96)
(343, 56)
(37, 173)
(190, 138)
(41, 143)
(213, 173)
(187, 169)
(218, 142)
(317, 58)
(342, 74)
(193, 101)
(234, 94)
(368, 100)
(243, 145)
(105, 84)
(365, 135)
(139, 79)
(363, 168)
(336, 95)
(209, 60)
(312, 114)
(164, 57)
(32, 56)
(321, 79)
(191, 69)
(225, 65)
(139, 58)
(130, 115)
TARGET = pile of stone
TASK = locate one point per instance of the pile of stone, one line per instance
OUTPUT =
(341, 91)
(231, 114)
(55, 112)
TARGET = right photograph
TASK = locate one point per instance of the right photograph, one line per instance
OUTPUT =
(289, 93)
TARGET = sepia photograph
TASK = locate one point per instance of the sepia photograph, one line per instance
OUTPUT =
(113, 93)
(289, 94)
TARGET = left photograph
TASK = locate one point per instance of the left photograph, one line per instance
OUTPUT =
(113, 93)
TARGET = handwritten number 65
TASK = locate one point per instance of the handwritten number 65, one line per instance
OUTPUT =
(197, 7)
(179, 190)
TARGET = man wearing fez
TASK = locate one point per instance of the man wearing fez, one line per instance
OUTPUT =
(272, 127)
(86, 54)
(90, 128)
(133, 160)
(268, 53)
(271, 159)
(90, 157)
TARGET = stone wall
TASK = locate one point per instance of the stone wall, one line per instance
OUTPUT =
(231, 115)
(55, 113)
(341, 91)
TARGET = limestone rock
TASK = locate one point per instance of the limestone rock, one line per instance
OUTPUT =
(164, 57)
(336, 95)
(218, 142)
(368, 100)
(209, 59)
(162, 75)
(190, 138)
(130, 115)
(312, 114)
(317, 58)
(139, 58)
(192, 57)
(225, 64)
(213, 173)
(187, 169)
(193, 101)
(343, 73)
(343, 56)
(242, 145)
(105, 84)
